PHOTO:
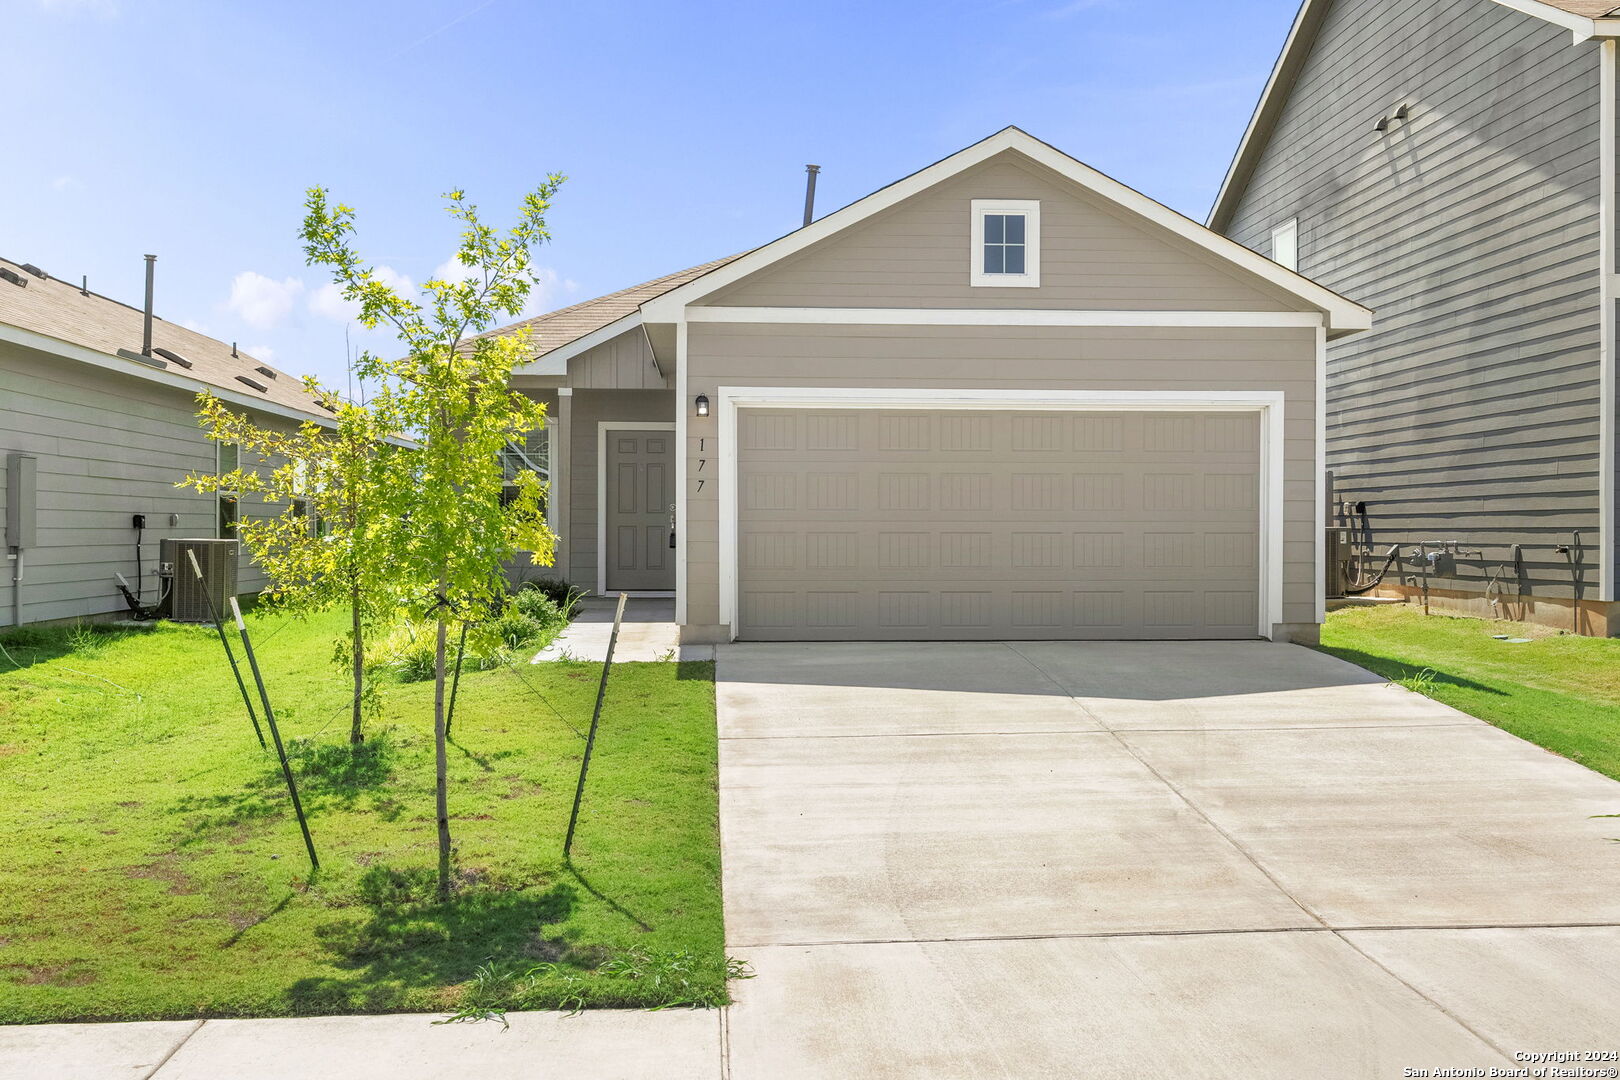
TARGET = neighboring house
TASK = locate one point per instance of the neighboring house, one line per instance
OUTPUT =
(1452, 163)
(1005, 397)
(109, 432)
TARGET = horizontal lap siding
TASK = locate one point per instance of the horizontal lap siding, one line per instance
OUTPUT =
(1470, 412)
(915, 254)
(1055, 358)
(107, 447)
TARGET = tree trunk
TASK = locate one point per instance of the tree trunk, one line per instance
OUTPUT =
(440, 756)
(356, 736)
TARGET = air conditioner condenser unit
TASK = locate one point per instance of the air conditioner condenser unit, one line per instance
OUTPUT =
(188, 597)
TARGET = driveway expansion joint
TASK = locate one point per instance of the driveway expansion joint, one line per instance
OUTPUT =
(175, 1049)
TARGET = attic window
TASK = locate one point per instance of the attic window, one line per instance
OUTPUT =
(1006, 243)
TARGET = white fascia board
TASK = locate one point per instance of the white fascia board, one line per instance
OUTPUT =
(1582, 27)
(555, 362)
(1608, 333)
(1343, 315)
(163, 377)
(1001, 317)
(1297, 38)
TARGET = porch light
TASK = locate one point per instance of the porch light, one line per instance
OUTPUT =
(702, 405)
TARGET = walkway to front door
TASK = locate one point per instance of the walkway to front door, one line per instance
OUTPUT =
(638, 509)
(1189, 859)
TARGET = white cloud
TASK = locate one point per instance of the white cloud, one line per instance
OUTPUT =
(550, 290)
(453, 270)
(260, 301)
(328, 299)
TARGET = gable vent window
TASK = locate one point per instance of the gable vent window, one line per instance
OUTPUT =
(1006, 248)
(1285, 244)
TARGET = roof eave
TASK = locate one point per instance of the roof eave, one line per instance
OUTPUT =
(1342, 315)
(118, 365)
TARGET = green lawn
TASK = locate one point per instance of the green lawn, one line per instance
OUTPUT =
(1556, 690)
(153, 868)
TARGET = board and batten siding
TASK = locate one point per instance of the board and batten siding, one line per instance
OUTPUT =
(1001, 357)
(108, 446)
(1094, 255)
(624, 362)
(1470, 411)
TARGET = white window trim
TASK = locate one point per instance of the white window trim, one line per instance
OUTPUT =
(1268, 403)
(1031, 277)
(602, 428)
(1285, 241)
(548, 477)
(220, 495)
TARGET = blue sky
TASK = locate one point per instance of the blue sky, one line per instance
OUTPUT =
(191, 130)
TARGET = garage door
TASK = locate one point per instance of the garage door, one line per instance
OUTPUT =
(869, 524)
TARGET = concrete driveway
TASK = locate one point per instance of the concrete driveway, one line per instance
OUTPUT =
(1200, 859)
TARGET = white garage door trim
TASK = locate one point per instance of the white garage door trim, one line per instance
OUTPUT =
(1268, 403)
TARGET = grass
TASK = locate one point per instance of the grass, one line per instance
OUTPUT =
(1559, 691)
(154, 868)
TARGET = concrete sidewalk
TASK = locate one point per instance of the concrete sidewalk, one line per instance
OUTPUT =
(599, 1045)
(1199, 859)
(648, 633)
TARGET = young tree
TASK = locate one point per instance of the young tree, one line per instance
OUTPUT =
(329, 545)
(451, 394)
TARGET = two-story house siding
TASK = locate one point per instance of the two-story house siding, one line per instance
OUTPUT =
(1443, 160)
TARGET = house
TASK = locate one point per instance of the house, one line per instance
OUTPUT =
(106, 429)
(1453, 164)
(1005, 397)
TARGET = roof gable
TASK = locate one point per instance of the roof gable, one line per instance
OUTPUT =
(1342, 314)
(1585, 19)
(917, 253)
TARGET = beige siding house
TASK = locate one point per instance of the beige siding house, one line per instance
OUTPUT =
(107, 432)
(1004, 398)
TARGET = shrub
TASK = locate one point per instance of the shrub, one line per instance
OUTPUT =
(563, 596)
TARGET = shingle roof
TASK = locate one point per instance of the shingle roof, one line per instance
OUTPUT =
(57, 309)
(557, 328)
(1591, 9)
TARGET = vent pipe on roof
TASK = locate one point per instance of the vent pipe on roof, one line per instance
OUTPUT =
(810, 193)
(146, 322)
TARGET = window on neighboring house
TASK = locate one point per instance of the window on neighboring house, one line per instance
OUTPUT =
(532, 454)
(227, 515)
(1006, 248)
(227, 460)
(1285, 244)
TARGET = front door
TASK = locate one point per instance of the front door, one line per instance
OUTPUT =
(640, 472)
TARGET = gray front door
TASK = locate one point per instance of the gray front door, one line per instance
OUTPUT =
(640, 498)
